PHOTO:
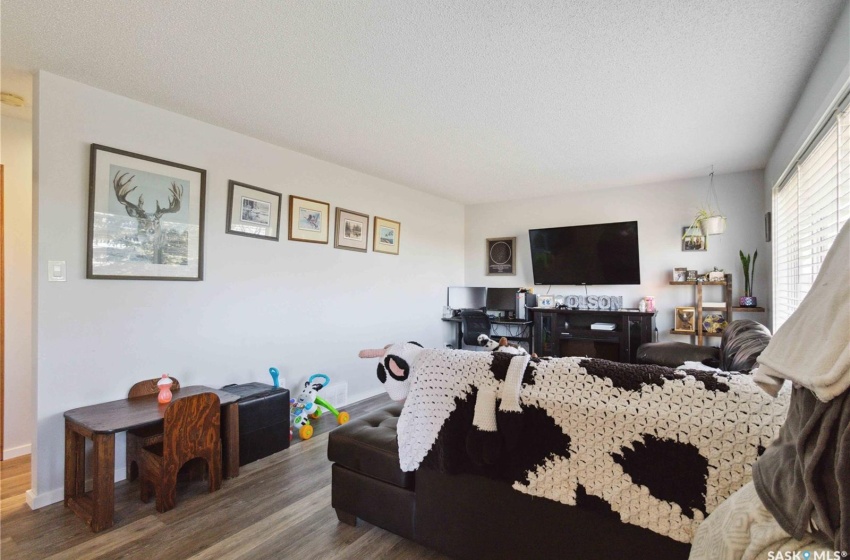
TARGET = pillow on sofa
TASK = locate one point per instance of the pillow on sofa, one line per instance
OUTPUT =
(743, 340)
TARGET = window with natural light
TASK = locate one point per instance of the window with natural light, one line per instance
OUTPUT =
(809, 208)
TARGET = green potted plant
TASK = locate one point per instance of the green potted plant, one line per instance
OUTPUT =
(748, 300)
(710, 221)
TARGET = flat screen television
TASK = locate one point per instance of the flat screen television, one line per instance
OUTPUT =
(597, 254)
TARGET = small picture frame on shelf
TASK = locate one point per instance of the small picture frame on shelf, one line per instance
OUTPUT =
(546, 301)
(713, 323)
(684, 319)
(680, 274)
(691, 276)
(716, 276)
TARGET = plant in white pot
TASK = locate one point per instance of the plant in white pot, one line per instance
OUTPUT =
(748, 300)
(709, 220)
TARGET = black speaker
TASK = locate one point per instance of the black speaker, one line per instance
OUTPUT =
(524, 300)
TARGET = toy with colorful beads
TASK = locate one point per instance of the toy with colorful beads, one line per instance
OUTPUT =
(309, 404)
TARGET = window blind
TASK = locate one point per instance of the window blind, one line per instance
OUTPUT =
(809, 208)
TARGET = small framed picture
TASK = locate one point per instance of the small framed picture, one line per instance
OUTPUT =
(308, 220)
(693, 239)
(684, 320)
(680, 274)
(387, 236)
(716, 276)
(252, 211)
(501, 259)
(713, 323)
(546, 301)
(352, 230)
(692, 276)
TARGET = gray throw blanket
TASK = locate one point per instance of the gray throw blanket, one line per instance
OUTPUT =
(803, 478)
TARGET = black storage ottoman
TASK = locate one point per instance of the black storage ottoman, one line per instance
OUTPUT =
(263, 420)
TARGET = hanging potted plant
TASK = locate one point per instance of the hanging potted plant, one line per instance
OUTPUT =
(710, 221)
(748, 300)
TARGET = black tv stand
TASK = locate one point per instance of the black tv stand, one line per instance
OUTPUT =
(567, 332)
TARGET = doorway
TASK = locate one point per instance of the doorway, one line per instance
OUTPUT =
(2, 317)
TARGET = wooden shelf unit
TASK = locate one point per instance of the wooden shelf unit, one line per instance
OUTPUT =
(699, 334)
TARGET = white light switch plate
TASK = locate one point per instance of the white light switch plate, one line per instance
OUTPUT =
(56, 271)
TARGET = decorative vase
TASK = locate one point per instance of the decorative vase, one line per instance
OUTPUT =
(748, 301)
(714, 225)
(164, 386)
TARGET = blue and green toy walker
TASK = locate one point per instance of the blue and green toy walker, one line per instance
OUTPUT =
(309, 404)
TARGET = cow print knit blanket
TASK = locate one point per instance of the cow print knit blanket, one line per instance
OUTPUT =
(656, 447)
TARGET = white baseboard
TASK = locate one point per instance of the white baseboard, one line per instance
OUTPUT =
(36, 501)
(20, 451)
(362, 396)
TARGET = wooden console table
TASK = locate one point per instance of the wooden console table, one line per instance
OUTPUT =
(567, 332)
(101, 422)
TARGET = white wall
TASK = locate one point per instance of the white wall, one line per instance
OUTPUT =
(16, 156)
(302, 307)
(662, 210)
(829, 80)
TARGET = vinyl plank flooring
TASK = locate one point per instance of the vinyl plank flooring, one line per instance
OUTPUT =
(278, 507)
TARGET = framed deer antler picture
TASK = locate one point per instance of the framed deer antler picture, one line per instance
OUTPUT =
(146, 217)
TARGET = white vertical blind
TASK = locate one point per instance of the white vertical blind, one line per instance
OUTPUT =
(809, 207)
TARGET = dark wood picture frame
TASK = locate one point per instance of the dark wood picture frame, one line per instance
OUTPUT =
(498, 263)
(275, 198)
(97, 199)
(322, 234)
(340, 240)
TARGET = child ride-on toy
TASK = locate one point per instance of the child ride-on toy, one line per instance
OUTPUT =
(308, 405)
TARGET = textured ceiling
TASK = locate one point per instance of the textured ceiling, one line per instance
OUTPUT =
(472, 100)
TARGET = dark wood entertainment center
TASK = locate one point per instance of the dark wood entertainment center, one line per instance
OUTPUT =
(567, 332)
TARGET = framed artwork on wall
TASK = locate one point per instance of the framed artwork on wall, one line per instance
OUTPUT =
(501, 256)
(693, 239)
(308, 220)
(352, 230)
(252, 211)
(146, 217)
(387, 236)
